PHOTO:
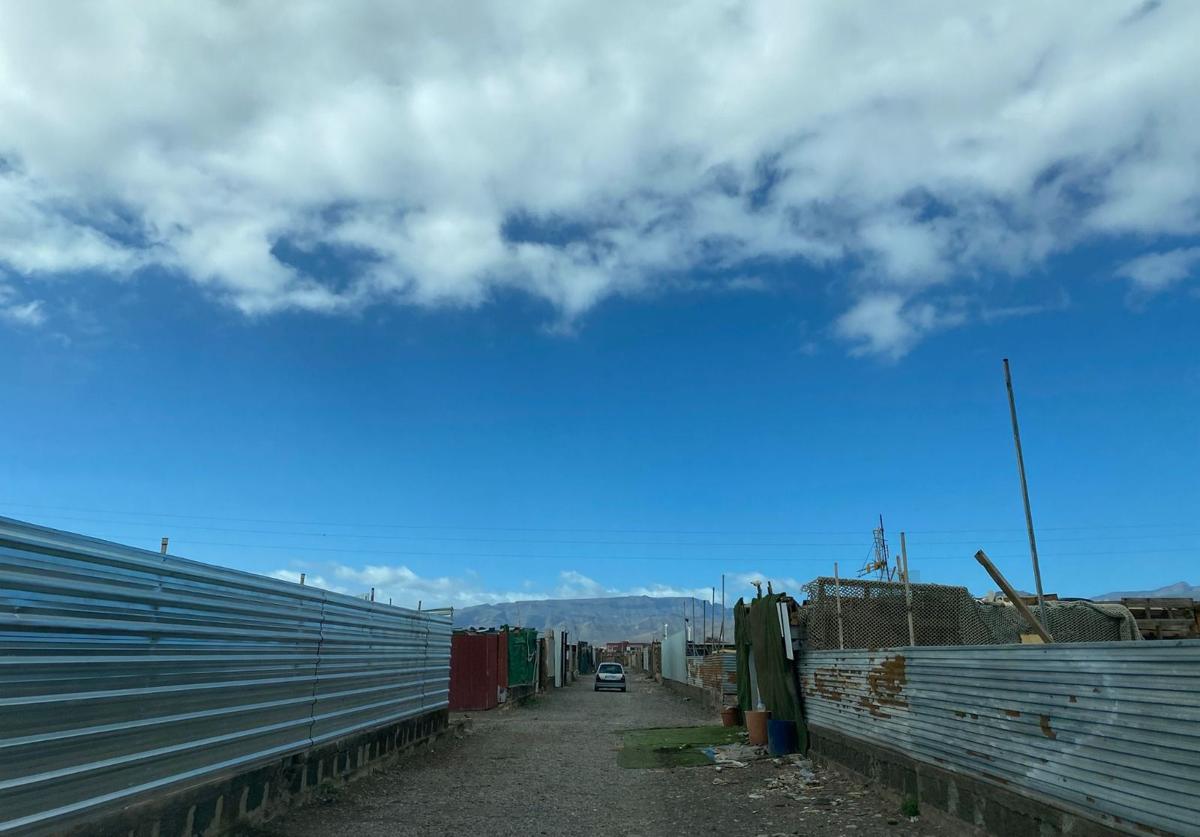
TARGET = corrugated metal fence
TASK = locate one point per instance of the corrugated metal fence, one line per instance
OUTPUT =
(124, 673)
(674, 657)
(1110, 729)
(717, 673)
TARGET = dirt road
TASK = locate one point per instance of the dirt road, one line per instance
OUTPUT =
(550, 768)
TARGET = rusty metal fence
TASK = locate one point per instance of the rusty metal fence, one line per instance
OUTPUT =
(1110, 730)
(125, 674)
(717, 673)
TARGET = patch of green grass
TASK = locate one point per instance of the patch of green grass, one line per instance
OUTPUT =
(910, 807)
(672, 746)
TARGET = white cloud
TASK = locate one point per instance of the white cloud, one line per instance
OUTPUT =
(28, 313)
(911, 148)
(405, 587)
(25, 313)
(886, 324)
(310, 580)
(1156, 272)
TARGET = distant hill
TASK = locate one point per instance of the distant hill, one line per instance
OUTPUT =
(634, 618)
(1178, 590)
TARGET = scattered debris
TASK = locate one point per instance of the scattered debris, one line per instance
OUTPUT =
(795, 779)
(734, 755)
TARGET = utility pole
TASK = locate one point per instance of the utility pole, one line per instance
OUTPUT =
(1037, 573)
(712, 608)
(722, 608)
(163, 549)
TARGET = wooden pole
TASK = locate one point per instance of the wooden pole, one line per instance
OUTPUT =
(1017, 601)
(912, 633)
(837, 586)
(1012, 409)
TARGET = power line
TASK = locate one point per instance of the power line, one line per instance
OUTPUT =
(432, 527)
(580, 557)
(690, 545)
(577, 541)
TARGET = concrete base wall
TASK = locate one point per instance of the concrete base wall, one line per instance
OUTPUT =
(519, 694)
(705, 696)
(977, 801)
(256, 795)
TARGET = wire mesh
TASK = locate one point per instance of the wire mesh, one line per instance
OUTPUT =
(874, 615)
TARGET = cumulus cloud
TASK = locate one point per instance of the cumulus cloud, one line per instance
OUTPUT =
(1156, 272)
(403, 586)
(576, 151)
(886, 324)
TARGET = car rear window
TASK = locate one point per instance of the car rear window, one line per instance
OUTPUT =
(610, 668)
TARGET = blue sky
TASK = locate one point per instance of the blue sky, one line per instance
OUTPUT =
(566, 309)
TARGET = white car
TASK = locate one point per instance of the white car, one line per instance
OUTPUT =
(610, 676)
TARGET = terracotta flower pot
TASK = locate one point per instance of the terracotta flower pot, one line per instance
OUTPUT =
(756, 725)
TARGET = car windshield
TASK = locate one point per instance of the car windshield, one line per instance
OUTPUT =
(609, 668)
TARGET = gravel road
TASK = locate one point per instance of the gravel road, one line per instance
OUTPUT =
(549, 768)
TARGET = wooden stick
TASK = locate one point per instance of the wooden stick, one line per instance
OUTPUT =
(1017, 601)
(837, 586)
(912, 633)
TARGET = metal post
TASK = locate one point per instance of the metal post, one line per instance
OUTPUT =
(1037, 573)
(722, 608)
(912, 633)
(163, 548)
(301, 579)
(837, 586)
(1017, 601)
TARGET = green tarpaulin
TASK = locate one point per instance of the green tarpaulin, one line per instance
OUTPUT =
(757, 634)
(522, 656)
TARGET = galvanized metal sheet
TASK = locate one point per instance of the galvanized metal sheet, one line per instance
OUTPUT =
(125, 673)
(1111, 730)
(674, 657)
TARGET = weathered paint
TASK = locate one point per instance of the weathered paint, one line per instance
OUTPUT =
(1111, 730)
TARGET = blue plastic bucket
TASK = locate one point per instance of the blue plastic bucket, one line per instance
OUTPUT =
(781, 737)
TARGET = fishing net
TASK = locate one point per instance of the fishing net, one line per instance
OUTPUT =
(874, 615)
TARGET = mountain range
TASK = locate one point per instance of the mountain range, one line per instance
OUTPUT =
(1178, 590)
(608, 619)
(642, 618)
